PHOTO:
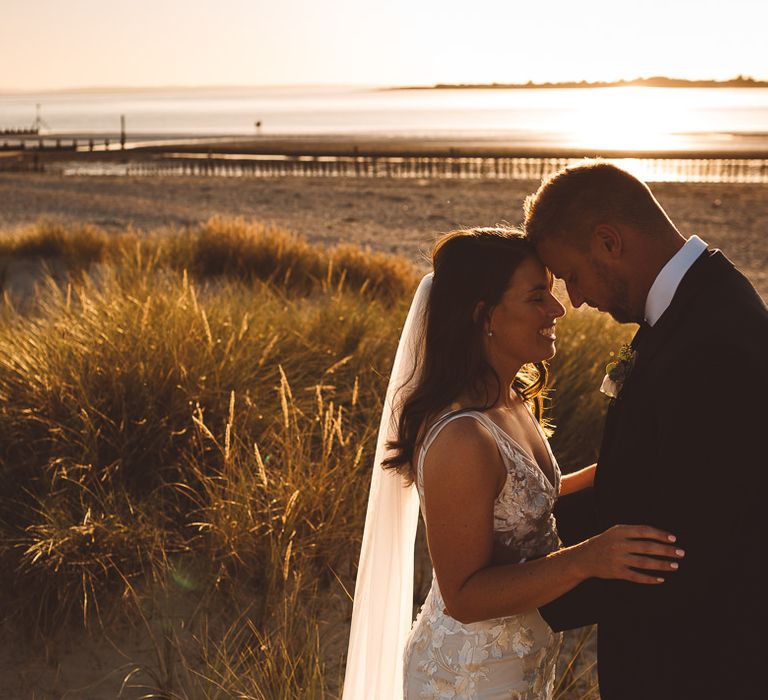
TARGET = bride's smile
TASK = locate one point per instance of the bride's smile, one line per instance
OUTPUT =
(520, 329)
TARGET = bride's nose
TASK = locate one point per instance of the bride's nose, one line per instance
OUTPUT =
(556, 307)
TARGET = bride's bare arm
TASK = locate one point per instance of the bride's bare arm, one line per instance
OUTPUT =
(577, 481)
(463, 474)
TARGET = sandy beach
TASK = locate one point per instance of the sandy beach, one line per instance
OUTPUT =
(401, 216)
(395, 215)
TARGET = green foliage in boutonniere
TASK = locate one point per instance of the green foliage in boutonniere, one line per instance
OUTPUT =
(621, 367)
(616, 372)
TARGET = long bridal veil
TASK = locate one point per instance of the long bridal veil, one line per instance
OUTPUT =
(383, 606)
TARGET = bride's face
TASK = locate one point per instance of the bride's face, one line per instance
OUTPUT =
(523, 322)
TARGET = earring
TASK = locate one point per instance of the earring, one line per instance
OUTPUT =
(490, 333)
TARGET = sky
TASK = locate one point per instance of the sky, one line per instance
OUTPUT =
(55, 44)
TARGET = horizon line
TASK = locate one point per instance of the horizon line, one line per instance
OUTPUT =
(201, 86)
(265, 86)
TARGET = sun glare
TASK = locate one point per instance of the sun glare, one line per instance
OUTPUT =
(627, 119)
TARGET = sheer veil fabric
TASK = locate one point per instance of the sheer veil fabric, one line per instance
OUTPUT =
(383, 605)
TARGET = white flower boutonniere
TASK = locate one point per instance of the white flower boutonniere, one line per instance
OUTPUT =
(616, 372)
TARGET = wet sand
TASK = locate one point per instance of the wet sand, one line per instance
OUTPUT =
(728, 145)
(399, 215)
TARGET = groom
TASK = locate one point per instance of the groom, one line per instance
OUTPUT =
(684, 445)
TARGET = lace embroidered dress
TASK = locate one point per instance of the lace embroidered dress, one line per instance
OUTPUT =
(508, 657)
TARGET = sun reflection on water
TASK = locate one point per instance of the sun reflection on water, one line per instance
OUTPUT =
(628, 119)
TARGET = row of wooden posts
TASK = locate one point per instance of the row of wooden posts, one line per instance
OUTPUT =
(500, 168)
(20, 131)
(59, 144)
(736, 170)
(360, 166)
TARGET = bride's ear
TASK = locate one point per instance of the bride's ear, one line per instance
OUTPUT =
(476, 314)
(481, 314)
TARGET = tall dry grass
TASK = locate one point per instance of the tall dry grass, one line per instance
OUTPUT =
(585, 345)
(186, 428)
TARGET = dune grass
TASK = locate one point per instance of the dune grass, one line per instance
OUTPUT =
(78, 245)
(187, 424)
(231, 249)
(585, 345)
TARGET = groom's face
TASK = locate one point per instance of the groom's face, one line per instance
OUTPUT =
(588, 280)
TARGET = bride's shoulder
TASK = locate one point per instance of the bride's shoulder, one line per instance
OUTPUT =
(457, 439)
(440, 420)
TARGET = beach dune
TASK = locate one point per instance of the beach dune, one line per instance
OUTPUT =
(391, 215)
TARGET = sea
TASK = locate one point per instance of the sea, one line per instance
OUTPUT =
(689, 122)
(627, 118)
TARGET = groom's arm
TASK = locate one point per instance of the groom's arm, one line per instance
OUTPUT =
(577, 608)
(712, 459)
(576, 517)
(576, 521)
(707, 450)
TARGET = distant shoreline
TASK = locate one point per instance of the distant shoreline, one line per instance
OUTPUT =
(656, 81)
(659, 81)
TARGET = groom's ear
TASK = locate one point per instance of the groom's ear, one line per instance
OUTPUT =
(607, 242)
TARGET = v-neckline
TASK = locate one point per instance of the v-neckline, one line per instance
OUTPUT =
(525, 452)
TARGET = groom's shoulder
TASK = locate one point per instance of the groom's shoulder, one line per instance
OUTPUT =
(737, 288)
(728, 323)
(724, 321)
(727, 297)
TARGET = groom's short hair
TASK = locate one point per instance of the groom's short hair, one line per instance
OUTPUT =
(570, 203)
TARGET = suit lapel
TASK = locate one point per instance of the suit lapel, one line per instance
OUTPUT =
(648, 340)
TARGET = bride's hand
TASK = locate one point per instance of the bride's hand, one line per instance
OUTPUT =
(611, 553)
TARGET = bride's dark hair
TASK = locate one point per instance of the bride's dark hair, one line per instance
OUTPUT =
(471, 267)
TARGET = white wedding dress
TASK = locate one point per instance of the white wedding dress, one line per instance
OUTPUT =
(508, 657)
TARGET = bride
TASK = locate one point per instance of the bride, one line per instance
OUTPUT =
(461, 440)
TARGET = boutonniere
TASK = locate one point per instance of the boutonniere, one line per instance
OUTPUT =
(616, 372)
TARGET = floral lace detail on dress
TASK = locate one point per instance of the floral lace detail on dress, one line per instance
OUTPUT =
(508, 657)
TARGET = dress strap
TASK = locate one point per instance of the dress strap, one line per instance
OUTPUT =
(438, 425)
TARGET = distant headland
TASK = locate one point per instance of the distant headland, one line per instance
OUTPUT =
(658, 81)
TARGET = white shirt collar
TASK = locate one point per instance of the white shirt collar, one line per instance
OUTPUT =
(667, 281)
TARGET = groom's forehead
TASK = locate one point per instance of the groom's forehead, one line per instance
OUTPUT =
(558, 256)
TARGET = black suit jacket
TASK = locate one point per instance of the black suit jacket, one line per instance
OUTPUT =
(684, 449)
